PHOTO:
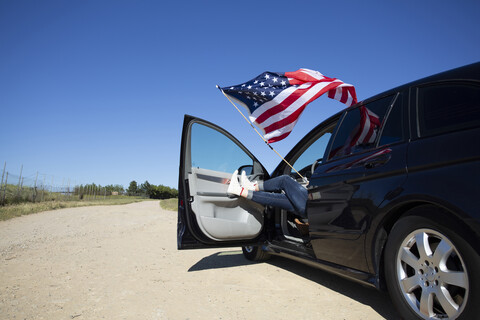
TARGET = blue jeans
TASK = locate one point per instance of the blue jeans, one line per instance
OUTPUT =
(293, 199)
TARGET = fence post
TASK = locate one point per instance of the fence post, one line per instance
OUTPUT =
(3, 174)
(43, 187)
(19, 178)
(68, 189)
(63, 189)
(21, 188)
(34, 196)
(104, 193)
(4, 189)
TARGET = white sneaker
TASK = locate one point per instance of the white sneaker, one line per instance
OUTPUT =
(234, 187)
(247, 184)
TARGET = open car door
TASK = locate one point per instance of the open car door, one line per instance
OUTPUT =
(207, 216)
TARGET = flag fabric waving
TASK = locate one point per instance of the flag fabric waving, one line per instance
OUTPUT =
(275, 101)
(363, 134)
(367, 130)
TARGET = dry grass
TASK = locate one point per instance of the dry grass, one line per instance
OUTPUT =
(16, 210)
(169, 204)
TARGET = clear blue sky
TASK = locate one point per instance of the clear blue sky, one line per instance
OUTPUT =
(95, 91)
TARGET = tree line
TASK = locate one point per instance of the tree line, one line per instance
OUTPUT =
(145, 189)
(152, 191)
(98, 189)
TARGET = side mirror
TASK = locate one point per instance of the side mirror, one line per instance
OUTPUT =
(247, 168)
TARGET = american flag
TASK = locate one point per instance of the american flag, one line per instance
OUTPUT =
(275, 100)
(367, 130)
(363, 134)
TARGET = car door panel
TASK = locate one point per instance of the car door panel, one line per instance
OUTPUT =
(337, 213)
(340, 213)
(207, 216)
(345, 191)
(222, 218)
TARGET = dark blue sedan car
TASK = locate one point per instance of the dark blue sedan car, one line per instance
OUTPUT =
(399, 211)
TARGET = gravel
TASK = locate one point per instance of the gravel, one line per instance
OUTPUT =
(121, 262)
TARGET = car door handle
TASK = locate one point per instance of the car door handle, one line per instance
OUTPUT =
(377, 161)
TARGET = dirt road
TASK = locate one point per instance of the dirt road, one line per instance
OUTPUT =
(121, 262)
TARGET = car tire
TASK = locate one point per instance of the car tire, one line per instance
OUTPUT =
(431, 271)
(254, 253)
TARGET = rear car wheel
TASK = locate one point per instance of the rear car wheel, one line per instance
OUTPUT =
(255, 253)
(431, 271)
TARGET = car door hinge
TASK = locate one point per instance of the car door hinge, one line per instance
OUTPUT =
(190, 199)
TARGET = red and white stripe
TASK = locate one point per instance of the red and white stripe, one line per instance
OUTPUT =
(367, 131)
(364, 133)
(278, 116)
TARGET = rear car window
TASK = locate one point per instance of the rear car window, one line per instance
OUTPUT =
(360, 128)
(448, 107)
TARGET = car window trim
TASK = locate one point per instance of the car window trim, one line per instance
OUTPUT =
(385, 119)
(334, 135)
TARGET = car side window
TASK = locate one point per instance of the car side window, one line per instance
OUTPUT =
(360, 128)
(393, 128)
(314, 152)
(447, 107)
(211, 149)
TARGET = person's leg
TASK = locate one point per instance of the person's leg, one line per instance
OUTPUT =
(294, 197)
(294, 191)
(278, 184)
(278, 200)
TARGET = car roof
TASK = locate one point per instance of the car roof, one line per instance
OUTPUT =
(469, 72)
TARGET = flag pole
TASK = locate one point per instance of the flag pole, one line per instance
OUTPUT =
(261, 136)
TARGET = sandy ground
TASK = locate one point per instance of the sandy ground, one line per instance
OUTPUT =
(121, 262)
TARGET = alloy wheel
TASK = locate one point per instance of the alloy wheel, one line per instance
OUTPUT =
(432, 275)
